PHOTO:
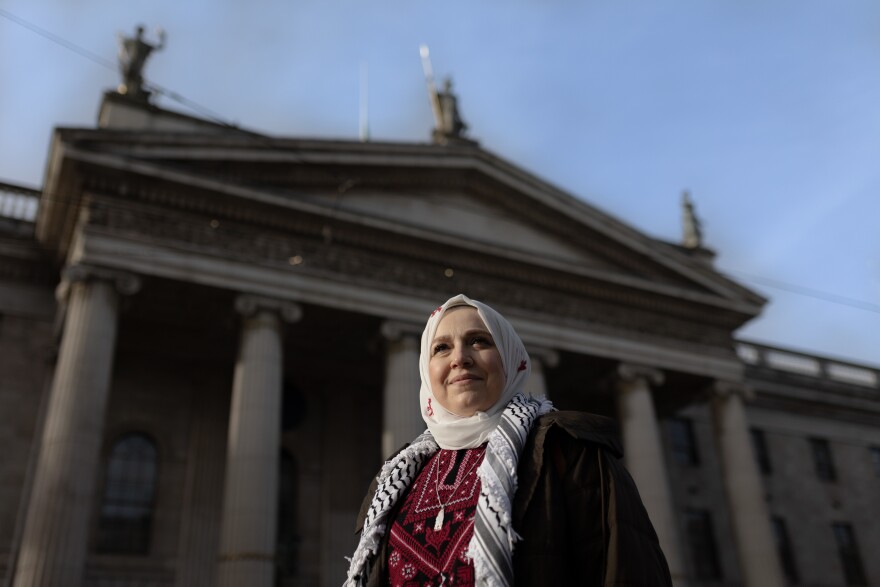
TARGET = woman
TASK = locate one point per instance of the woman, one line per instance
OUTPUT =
(501, 489)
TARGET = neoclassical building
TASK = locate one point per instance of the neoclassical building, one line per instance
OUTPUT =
(209, 342)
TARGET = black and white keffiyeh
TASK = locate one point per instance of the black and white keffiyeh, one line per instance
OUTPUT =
(491, 548)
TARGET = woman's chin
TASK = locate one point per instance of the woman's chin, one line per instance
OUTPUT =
(466, 406)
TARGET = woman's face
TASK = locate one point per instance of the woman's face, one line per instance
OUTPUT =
(465, 366)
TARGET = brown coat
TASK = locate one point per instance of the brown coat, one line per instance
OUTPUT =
(577, 509)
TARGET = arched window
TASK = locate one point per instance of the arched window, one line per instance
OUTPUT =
(129, 492)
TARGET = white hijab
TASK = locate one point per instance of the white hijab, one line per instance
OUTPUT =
(455, 432)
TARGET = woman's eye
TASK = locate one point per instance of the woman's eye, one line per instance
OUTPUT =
(438, 348)
(481, 340)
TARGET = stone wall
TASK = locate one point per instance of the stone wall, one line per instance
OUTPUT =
(25, 369)
(807, 504)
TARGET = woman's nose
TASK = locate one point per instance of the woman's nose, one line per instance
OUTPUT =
(461, 357)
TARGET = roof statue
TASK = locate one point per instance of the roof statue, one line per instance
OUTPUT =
(692, 237)
(133, 54)
(450, 123)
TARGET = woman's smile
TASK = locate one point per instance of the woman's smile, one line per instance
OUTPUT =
(466, 378)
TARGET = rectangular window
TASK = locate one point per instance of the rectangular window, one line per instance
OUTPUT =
(875, 458)
(684, 446)
(786, 554)
(849, 554)
(701, 538)
(822, 459)
(759, 445)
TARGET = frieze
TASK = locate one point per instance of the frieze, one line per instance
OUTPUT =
(465, 180)
(380, 261)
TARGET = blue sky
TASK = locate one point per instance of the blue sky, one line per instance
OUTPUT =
(768, 112)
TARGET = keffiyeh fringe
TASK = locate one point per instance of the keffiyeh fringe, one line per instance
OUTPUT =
(491, 547)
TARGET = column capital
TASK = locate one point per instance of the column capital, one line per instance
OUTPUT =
(723, 389)
(248, 305)
(548, 357)
(125, 282)
(395, 330)
(631, 372)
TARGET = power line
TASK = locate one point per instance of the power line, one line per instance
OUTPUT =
(59, 40)
(806, 291)
(195, 106)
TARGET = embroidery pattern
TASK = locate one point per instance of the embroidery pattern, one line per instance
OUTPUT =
(437, 556)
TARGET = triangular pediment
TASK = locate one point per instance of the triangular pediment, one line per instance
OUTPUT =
(465, 218)
(462, 196)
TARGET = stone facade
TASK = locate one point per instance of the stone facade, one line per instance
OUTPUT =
(243, 311)
(841, 411)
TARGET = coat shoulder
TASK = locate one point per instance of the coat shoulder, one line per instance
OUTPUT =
(580, 426)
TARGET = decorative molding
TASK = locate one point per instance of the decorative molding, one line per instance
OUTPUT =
(126, 283)
(721, 389)
(249, 305)
(630, 373)
(394, 330)
(548, 357)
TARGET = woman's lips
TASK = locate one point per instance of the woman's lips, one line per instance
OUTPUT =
(463, 378)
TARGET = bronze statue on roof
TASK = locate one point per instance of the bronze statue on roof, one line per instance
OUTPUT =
(451, 124)
(692, 237)
(133, 54)
(448, 124)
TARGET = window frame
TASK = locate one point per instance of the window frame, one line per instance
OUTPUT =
(761, 450)
(874, 452)
(683, 441)
(128, 535)
(785, 550)
(848, 551)
(823, 459)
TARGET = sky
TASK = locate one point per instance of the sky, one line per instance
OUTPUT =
(768, 112)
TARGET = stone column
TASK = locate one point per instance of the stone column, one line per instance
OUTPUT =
(54, 542)
(643, 453)
(401, 417)
(199, 538)
(745, 494)
(250, 500)
(541, 359)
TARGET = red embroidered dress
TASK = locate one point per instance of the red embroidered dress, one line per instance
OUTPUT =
(418, 554)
